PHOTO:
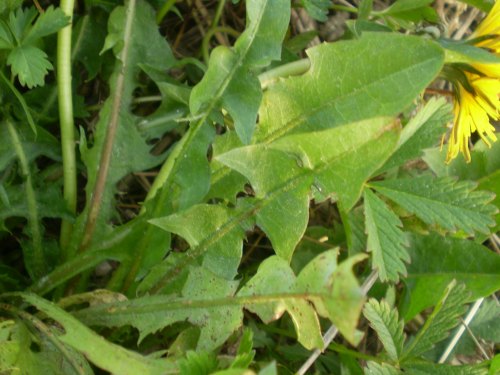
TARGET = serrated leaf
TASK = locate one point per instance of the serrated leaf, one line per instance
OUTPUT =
(129, 149)
(229, 82)
(337, 89)
(103, 354)
(48, 22)
(336, 161)
(20, 21)
(245, 354)
(444, 201)
(385, 239)
(205, 301)
(7, 5)
(198, 363)
(317, 9)
(423, 131)
(374, 368)
(437, 260)
(445, 316)
(385, 321)
(426, 368)
(6, 38)
(29, 64)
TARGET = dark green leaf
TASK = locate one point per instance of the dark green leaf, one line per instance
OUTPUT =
(385, 321)
(445, 316)
(317, 9)
(444, 201)
(30, 65)
(48, 22)
(386, 241)
(436, 261)
(206, 225)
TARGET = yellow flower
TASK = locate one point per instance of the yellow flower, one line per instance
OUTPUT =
(478, 103)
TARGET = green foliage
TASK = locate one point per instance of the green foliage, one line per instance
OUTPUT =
(437, 260)
(20, 36)
(446, 202)
(385, 321)
(385, 239)
(231, 208)
(444, 317)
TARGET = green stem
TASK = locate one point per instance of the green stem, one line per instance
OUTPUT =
(218, 13)
(39, 265)
(65, 98)
(164, 10)
(210, 33)
(344, 8)
(286, 70)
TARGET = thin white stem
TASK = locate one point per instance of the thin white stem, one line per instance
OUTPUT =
(332, 331)
(473, 311)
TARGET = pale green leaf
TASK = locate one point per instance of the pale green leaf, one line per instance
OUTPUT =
(29, 64)
(444, 201)
(386, 241)
(102, 353)
(379, 74)
(384, 319)
(343, 301)
(229, 82)
(337, 162)
(445, 316)
(437, 260)
(275, 277)
(48, 22)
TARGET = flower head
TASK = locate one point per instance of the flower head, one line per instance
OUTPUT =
(478, 101)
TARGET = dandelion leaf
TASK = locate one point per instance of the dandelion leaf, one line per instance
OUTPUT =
(229, 82)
